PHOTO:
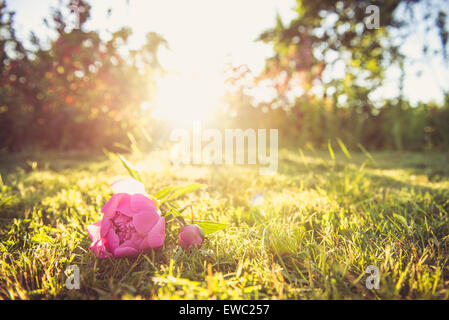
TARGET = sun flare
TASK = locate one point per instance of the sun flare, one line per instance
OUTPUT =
(187, 97)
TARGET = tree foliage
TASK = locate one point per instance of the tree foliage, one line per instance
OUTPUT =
(77, 91)
(314, 103)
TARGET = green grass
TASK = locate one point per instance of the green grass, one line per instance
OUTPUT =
(320, 224)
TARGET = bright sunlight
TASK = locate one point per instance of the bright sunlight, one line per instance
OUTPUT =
(186, 97)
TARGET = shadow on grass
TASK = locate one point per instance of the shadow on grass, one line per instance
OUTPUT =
(29, 178)
(52, 160)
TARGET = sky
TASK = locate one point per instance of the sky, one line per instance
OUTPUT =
(198, 31)
(204, 34)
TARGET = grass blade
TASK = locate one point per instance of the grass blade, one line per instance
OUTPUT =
(331, 151)
(344, 149)
(131, 170)
(210, 227)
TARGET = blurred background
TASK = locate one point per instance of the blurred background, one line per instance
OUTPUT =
(107, 74)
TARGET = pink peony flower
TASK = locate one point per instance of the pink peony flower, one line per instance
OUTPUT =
(191, 235)
(131, 224)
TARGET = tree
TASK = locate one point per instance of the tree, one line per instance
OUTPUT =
(330, 35)
(80, 92)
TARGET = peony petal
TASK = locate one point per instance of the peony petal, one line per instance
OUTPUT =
(99, 249)
(94, 231)
(110, 207)
(191, 235)
(197, 239)
(137, 241)
(134, 242)
(112, 239)
(106, 225)
(128, 185)
(124, 206)
(144, 221)
(125, 252)
(142, 203)
(182, 243)
(156, 237)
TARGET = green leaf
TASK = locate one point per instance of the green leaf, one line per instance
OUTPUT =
(173, 209)
(171, 193)
(185, 190)
(146, 135)
(5, 201)
(131, 170)
(344, 149)
(161, 194)
(303, 158)
(401, 219)
(209, 226)
(367, 154)
(134, 146)
(331, 151)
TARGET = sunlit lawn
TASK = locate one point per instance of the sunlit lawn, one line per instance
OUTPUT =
(319, 224)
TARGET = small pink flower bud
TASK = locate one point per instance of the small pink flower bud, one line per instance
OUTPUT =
(191, 235)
